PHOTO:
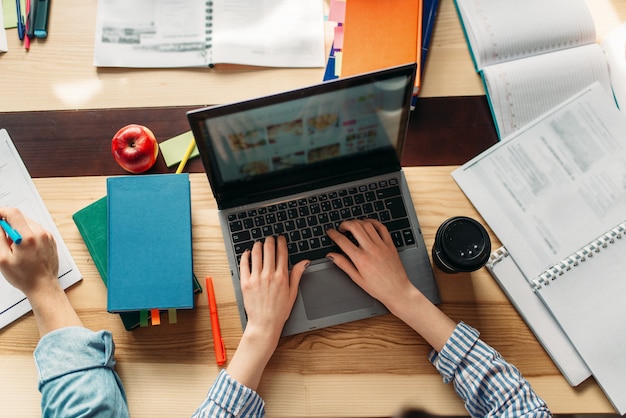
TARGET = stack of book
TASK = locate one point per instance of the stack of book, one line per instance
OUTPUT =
(139, 237)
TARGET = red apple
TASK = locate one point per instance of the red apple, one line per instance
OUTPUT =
(135, 148)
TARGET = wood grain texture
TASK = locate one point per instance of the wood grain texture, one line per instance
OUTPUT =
(365, 368)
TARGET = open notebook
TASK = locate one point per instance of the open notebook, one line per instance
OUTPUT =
(532, 55)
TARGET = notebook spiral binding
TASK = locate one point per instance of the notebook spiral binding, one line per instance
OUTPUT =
(209, 31)
(496, 256)
(579, 256)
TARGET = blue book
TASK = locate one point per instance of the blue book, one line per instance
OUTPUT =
(429, 12)
(149, 243)
(91, 222)
(428, 23)
(329, 72)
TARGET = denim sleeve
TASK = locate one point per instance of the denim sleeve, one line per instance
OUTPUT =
(489, 386)
(77, 376)
(228, 398)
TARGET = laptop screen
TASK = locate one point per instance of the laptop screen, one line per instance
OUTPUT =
(304, 136)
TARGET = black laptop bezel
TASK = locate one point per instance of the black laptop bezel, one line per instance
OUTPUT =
(377, 162)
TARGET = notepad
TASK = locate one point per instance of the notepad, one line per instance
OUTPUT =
(149, 243)
(173, 149)
(542, 324)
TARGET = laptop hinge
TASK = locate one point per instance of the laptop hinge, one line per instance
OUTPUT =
(254, 196)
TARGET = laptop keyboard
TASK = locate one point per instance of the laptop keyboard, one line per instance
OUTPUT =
(304, 221)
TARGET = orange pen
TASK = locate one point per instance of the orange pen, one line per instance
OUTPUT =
(218, 343)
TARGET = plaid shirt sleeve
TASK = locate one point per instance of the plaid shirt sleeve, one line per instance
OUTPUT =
(229, 398)
(489, 386)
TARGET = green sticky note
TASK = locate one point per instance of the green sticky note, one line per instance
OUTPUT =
(174, 149)
(143, 318)
(10, 12)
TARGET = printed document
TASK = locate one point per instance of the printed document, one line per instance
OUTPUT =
(554, 185)
(18, 190)
(4, 46)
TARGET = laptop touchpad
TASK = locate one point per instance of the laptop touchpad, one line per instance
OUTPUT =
(330, 291)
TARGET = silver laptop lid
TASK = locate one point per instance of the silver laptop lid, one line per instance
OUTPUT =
(337, 131)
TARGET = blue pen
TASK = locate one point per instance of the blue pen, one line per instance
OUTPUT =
(21, 30)
(12, 233)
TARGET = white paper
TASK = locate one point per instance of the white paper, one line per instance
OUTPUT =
(505, 30)
(4, 46)
(555, 185)
(285, 33)
(18, 190)
(615, 47)
(520, 91)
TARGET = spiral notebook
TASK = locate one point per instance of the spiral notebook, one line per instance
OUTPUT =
(586, 293)
(200, 33)
(554, 194)
(538, 317)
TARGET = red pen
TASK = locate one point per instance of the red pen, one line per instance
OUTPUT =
(218, 343)
(27, 26)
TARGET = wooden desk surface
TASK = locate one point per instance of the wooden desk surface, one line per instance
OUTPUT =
(365, 368)
(58, 73)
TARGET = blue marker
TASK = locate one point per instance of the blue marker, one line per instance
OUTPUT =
(21, 31)
(12, 233)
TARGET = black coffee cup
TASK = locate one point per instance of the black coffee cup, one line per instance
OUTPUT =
(461, 245)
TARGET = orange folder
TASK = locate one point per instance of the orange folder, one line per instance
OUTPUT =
(380, 34)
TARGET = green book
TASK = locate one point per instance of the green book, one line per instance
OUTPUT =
(91, 222)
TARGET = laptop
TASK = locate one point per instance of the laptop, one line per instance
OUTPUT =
(302, 161)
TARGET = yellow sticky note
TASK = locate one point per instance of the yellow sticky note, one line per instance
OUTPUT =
(338, 63)
(172, 316)
(173, 149)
